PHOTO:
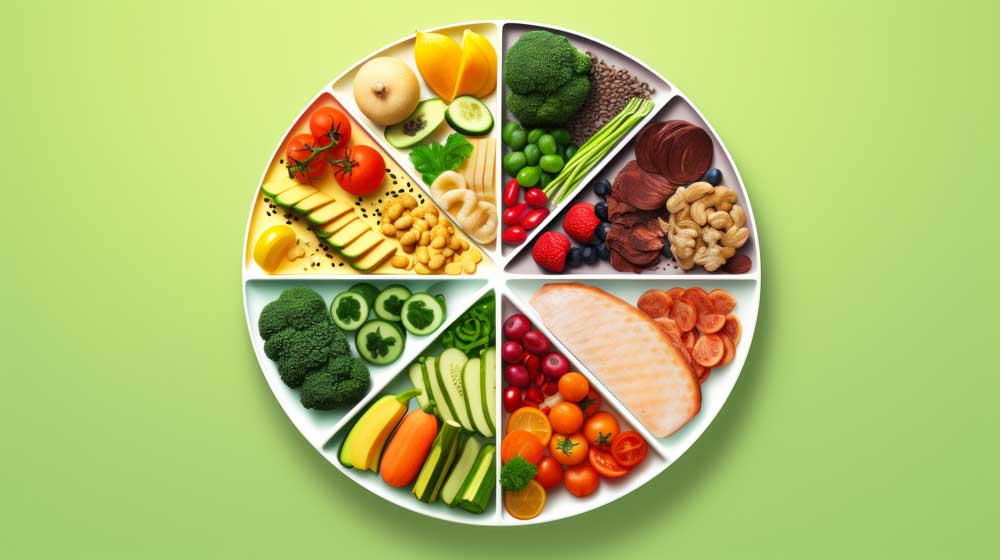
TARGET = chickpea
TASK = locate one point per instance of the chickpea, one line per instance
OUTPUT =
(404, 222)
(400, 261)
(395, 211)
(453, 269)
(435, 262)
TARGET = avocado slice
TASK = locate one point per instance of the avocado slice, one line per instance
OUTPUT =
(421, 123)
(361, 245)
(372, 259)
(329, 212)
(317, 200)
(275, 187)
(295, 195)
(336, 225)
(349, 233)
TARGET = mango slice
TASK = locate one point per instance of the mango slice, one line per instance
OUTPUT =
(438, 58)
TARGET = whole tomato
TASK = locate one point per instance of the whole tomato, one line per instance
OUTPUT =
(581, 480)
(569, 450)
(600, 430)
(566, 417)
(550, 473)
(326, 123)
(359, 170)
(297, 152)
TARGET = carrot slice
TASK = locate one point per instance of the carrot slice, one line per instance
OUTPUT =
(690, 338)
(684, 315)
(655, 303)
(709, 350)
(732, 329)
(711, 323)
(730, 350)
(699, 299)
(722, 301)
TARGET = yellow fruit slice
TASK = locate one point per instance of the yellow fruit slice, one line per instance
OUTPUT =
(474, 72)
(527, 503)
(486, 47)
(272, 246)
(532, 420)
(438, 58)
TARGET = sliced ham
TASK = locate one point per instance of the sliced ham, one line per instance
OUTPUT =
(629, 353)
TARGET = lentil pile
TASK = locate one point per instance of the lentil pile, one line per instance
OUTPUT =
(610, 89)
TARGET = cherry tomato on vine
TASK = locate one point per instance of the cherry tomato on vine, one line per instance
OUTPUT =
(297, 152)
(326, 120)
(629, 449)
(605, 465)
(600, 430)
(358, 169)
(550, 473)
(581, 480)
(568, 450)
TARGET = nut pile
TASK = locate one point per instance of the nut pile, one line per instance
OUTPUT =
(429, 238)
(610, 89)
(706, 226)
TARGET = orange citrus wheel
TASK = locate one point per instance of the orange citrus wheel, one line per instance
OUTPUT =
(527, 503)
(532, 420)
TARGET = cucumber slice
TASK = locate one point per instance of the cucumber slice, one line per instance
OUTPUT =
(418, 378)
(473, 379)
(463, 466)
(422, 313)
(470, 116)
(449, 368)
(367, 291)
(349, 310)
(478, 487)
(439, 460)
(389, 303)
(421, 123)
(379, 342)
(488, 363)
(440, 398)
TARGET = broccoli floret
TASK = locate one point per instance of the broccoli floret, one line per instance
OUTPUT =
(547, 77)
(516, 474)
(343, 379)
(299, 352)
(298, 308)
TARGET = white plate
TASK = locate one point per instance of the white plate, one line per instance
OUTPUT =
(514, 279)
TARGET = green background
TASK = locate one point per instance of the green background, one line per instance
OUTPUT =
(136, 423)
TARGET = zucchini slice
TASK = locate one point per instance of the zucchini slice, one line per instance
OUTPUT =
(349, 310)
(440, 398)
(478, 487)
(389, 303)
(418, 378)
(450, 367)
(380, 342)
(422, 313)
(438, 462)
(463, 466)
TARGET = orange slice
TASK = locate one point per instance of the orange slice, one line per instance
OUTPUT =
(527, 503)
(532, 420)
(491, 57)
(474, 71)
(438, 58)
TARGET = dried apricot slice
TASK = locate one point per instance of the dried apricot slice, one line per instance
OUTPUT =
(675, 293)
(655, 303)
(684, 315)
(699, 299)
(709, 350)
(669, 326)
(722, 301)
(730, 350)
(732, 329)
(711, 323)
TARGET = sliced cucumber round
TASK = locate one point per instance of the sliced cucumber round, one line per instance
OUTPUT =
(470, 116)
(368, 291)
(390, 302)
(380, 342)
(423, 313)
(349, 310)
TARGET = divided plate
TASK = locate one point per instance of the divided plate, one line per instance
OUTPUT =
(507, 271)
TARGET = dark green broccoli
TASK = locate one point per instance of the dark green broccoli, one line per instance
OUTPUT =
(344, 379)
(547, 77)
(298, 308)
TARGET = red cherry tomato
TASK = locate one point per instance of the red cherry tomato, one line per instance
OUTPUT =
(360, 170)
(299, 149)
(511, 193)
(581, 480)
(326, 123)
(550, 473)
(514, 235)
(513, 215)
(511, 399)
(534, 217)
(533, 394)
(629, 449)
(533, 363)
(536, 197)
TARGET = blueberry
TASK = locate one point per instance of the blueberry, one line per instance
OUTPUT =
(603, 252)
(713, 176)
(602, 230)
(666, 251)
(602, 188)
(574, 257)
(601, 209)
(589, 254)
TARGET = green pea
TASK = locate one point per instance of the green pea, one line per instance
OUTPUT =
(534, 134)
(570, 151)
(545, 179)
(532, 153)
(562, 136)
(547, 144)
(509, 129)
(518, 139)
(551, 163)
(513, 162)
(529, 176)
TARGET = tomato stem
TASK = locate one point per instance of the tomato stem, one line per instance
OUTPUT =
(295, 166)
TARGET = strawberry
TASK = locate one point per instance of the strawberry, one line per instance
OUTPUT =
(581, 222)
(550, 251)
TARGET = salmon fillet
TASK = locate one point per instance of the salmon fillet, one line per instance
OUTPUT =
(626, 350)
